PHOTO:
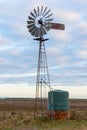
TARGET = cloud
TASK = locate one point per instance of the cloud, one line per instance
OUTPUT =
(67, 16)
(17, 75)
(2, 61)
(81, 2)
(62, 37)
(3, 41)
(53, 51)
(82, 54)
(82, 29)
(18, 78)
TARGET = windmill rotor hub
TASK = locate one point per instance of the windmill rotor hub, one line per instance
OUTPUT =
(39, 21)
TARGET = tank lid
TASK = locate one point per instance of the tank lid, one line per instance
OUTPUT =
(58, 90)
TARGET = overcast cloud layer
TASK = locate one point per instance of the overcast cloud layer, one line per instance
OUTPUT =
(66, 50)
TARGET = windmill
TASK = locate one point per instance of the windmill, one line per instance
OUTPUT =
(38, 24)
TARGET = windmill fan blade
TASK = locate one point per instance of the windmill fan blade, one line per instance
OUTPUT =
(30, 22)
(31, 29)
(36, 32)
(44, 10)
(31, 18)
(46, 13)
(47, 27)
(48, 16)
(35, 12)
(30, 26)
(33, 15)
(41, 9)
(39, 32)
(57, 26)
(48, 20)
(38, 10)
(44, 30)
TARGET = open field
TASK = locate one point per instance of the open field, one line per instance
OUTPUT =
(18, 114)
(28, 104)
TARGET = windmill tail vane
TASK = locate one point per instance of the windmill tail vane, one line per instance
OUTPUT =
(57, 26)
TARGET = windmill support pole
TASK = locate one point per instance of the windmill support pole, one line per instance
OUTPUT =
(42, 78)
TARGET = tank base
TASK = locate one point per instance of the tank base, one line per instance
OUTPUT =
(59, 114)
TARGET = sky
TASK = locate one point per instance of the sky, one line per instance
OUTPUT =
(66, 50)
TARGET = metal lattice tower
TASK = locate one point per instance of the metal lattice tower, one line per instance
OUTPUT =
(39, 23)
(43, 80)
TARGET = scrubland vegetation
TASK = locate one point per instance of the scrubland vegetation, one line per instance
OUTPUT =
(18, 114)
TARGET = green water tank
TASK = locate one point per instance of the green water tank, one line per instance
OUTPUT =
(58, 100)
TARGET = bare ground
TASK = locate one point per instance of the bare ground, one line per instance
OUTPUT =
(29, 104)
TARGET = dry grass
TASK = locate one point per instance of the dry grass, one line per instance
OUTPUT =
(17, 114)
(23, 120)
